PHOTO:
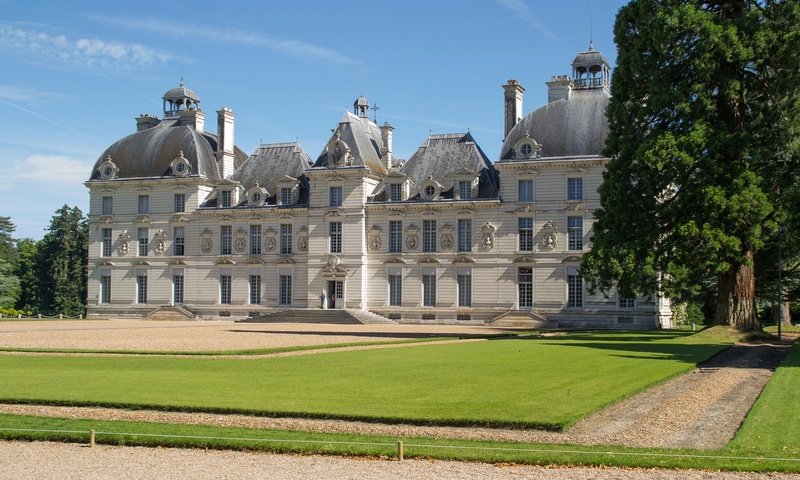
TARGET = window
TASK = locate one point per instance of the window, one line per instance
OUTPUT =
(574, 189)
(177, 287)
(286, 196)
(225, 233)
(286, 238)
(108, 205)
(107, 242)
(464, 190)
(225, 198)
(525, 286)
(526, 149)
(335, 196)
(395, 192)
(144, 204)
(429, 236)
(429, 191)
(141, 287)
(464, 235)
(627, 302)
(143, 234)
(179, 202)
(255, 289)
(395, 236)
(225, 289)
(574, 288)
(575, 233)
(525, 234)
(395, 287)
(429, 287)
(525, 190)
(105, 286)
(286, 289)
(335, 237)
(179, 242)
(255, 239)
(464, 282)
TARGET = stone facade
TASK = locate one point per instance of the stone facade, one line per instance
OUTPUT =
(182, 218)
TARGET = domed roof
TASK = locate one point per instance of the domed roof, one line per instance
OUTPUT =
(150, 152)
(179, 93)
(571, 127)
(361, 102)
(589, 57)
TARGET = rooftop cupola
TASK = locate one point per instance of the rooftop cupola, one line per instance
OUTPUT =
(590, 69)
(361, 107)
(179, 99)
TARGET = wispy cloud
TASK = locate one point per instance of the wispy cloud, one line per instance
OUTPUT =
(13, 93)
(49, 170)
(42, 117)
(78, 52)
(441, 124)
(525, 13)
(284, 46)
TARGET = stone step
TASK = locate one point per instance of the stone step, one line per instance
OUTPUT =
(305, 315)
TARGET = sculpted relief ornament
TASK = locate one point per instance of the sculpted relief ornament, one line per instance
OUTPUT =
(446, 237)
(338, 152)
(302, 239)
(549, 238)
(375, 238)
(161, 244)
(412, 237)
(205, 241)
(487, 243)
(269, 239)
(240, 240)
(125, 238)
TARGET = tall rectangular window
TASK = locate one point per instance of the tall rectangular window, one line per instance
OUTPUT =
(429, 236)
(225, 234)
(105, 286)
(464, 283)
(575, 188)
(286, 238)
(525, 190)
(179, 241)
(141, 287)
(335, 196)
(395, 236)
(144, 205)
(108, 205)
(395, 192)
(107, 242)
(525, 286)
(464, 190)
(255, 239)
(177, 287)
(286, 196)
(525, 234)
(575, 233)
(395, 287)
(335, 237)
(574, 288)
(285, 294)
(464, 235)
(255, 289)
(143, 235)
(179, 203)
(428, 287)
(225, 198)
(225, 289)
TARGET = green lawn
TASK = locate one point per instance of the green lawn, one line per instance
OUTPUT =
(544, 382)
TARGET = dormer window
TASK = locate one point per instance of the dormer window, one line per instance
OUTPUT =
(395, 192)
(464, 190)
(225, 198)
(181, 166)
(527, 147)
(429, 191)
(286, 196)
(256, 195)
(288, 191)
(108, 170)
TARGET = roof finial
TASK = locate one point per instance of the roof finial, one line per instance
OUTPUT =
(375, 109)
(591, 29)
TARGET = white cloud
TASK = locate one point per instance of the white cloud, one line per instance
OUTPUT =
(284, 46)
(12, 93)
(522, 11)
(81, 52)
(49, 170)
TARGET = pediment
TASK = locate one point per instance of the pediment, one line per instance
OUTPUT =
(429, 260)
(524, 259)
(395, 260)
(225, 261)
(142, 262)
(571, 259)
(285, 261)
(463, 259)
(105, 263)
(255, 261)
(177, 262)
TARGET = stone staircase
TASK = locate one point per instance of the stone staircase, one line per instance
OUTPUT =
(523, 319)
(306, 315)
(369, 318)
(171, 312)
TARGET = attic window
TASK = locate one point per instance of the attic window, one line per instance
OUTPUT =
(395, 192)
(526, 149)
(225, 198)
(286, 196)
(464, 190)
(429, 191)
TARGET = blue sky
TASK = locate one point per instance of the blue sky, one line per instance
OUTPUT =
(77, 73)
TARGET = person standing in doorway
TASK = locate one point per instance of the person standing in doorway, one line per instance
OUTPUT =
(333, 300)
(322, 300)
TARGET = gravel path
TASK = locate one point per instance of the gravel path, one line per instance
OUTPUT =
(43, 460)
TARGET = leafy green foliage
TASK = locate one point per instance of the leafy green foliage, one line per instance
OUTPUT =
(62, 263)
(9, 283)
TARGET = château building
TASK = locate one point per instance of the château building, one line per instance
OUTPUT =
(182, 220)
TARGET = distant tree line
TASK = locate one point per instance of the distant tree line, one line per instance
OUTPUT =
(46, 276)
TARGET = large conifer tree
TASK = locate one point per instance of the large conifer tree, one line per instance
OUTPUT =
(703, 139)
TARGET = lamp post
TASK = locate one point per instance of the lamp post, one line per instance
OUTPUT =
(780, 277)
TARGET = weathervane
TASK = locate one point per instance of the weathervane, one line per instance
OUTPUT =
(375, 109)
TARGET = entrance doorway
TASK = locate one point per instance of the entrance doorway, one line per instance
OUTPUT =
(335, 294)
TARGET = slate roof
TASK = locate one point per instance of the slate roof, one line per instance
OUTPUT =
(362, 137)
(271, 162)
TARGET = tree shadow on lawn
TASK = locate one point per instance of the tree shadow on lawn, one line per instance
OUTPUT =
(373, 334)
(692, 353)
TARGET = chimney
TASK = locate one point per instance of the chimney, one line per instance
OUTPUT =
(145, 121)
(225, 118)
(559, 88)
(513, 105)
(386, 144)
(194, 118)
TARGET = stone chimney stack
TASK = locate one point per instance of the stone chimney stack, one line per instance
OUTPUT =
(513, 105)
(145, 121)
(386, 144)
(225, 117)
(559, 88)
(194, 118)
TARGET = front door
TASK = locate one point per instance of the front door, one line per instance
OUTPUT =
(335, 294)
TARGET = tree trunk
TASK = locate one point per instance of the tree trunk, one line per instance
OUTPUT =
(782, 313)
(736, 293)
